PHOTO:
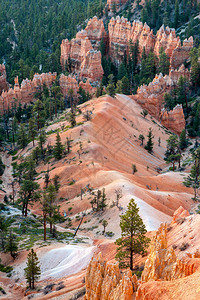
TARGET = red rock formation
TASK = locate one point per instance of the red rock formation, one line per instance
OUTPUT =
(66, 83)
(181, 53)
(91, 66)
(104, 281)
(85, 61)
(151, 97)
(179, 214)
(95, 31)
(174, 119)
(162, 263)
(121, 32)
(69, 82)
(3, 82)
(88, 87)
(25, 93)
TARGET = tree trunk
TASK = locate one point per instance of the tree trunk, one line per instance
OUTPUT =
(45, 228)
(131, 259)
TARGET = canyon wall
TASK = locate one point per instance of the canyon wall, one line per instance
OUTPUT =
(121, 31)
(151, 97)
(25, 93)
(87, 63)
(3, 81)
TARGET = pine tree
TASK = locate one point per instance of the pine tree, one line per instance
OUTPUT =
(32, 130)
(42, 140)
(125, 86)
(149, 145)
(11, 245)
(172, 155)
(69, 145)
(176, 14)
(22, 137)
(39, 110)
(58, 148)
(102, 203)
(104, 224)
(56, 182)
(163, 62)
(193, 180)
(111, 86)
(183, 140)
(32, 271)
(133, 239)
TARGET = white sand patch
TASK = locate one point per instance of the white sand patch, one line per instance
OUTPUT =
(59, 262)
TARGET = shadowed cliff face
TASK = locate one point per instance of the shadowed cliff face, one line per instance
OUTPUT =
(166, 270)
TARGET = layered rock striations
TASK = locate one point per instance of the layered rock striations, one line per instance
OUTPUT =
(104, 281)
(25, 93)
(3, 81)
(151, 97)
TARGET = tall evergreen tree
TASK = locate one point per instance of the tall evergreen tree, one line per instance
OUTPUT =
(11, 245)
(32, 271)
(193, 180)
(22, 136)
(133, 239)
(32, 130)
(176, 14)
(149, 145)
(58, 148)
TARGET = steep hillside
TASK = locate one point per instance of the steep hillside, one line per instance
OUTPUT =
(109, 147)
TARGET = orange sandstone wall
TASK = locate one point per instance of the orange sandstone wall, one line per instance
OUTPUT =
(150, 97)
(121, 32)
(25, 93)
(69, 82)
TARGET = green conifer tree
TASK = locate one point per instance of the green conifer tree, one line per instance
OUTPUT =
(58, 148)
(133, 239)
(32, 271)
(149, 145)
